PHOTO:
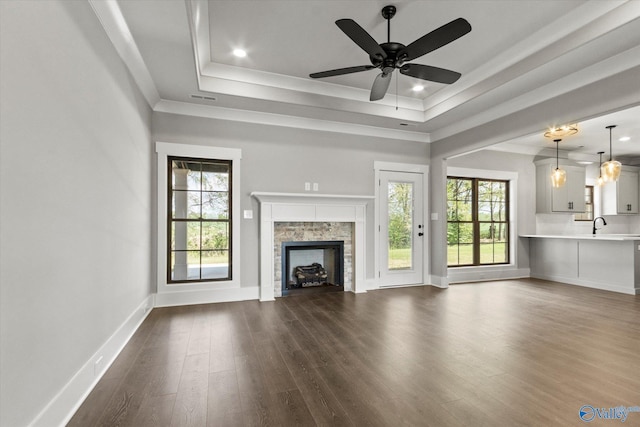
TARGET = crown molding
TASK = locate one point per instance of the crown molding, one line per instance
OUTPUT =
(257, 117)
(110, 16)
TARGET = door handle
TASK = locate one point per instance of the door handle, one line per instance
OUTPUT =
(420, 234)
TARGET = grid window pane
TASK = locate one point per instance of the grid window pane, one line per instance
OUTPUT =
(215, 180)
(215, 235)
(478, 217)
(199, 220)
(215, 205)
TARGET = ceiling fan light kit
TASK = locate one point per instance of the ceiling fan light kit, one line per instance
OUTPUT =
(391, 55)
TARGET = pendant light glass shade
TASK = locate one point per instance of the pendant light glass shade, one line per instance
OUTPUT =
(558, 176)
(610, 170)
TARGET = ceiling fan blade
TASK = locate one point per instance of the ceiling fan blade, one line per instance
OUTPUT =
(436, 39)
(341, 71)
(361, 37)
(427, 72)
(380, 86)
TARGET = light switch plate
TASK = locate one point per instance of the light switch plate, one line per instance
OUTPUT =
(248, 214)
(434, 216)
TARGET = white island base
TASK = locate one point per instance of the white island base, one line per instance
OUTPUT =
(609, 262)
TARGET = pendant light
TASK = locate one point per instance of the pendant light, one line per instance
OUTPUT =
(611, 169)
(558, 176)
(600, 181)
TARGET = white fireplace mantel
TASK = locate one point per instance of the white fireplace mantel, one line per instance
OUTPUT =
(309, 207)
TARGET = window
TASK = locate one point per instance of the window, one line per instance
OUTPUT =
(477, 221)
(199, 220)
(588, 205)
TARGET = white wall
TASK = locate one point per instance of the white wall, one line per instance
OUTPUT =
(75, 192)
(281, 159)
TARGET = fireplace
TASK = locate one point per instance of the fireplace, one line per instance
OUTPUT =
(312, 265)
(293, 217)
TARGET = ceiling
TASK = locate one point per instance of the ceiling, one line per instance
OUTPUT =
(518, 54)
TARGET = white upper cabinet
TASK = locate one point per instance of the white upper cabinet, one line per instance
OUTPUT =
(621, 197)
(569, 198)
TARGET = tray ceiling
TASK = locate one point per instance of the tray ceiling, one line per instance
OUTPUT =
(518, 54)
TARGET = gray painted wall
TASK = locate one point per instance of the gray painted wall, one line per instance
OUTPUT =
(281, 159)
(75, 183)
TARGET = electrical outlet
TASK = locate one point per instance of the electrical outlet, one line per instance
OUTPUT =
(315, 186)
(307, 186)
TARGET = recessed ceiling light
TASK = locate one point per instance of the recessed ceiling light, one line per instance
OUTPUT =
(624, 139)
(418, 88)
(240, 53)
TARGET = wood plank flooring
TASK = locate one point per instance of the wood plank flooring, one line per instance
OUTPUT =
(507, 353)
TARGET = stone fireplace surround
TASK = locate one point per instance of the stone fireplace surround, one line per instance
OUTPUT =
(313, 232)
(310, 208)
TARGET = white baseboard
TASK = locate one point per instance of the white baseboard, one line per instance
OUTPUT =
(414, 285)
(588, 284)
(366, 285)
(170, 299)
(439, 282)
(483, 274)
(61, 408)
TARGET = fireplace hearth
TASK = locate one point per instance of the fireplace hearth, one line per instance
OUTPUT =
(312, 264)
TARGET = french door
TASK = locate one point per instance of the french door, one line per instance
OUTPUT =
(402, 228)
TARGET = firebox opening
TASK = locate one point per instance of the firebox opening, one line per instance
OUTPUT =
(312, 266)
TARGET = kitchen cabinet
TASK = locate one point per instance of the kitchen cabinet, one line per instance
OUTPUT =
(621, 197)
(608, 262)
(567, 199)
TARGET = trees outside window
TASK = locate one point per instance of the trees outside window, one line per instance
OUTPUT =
(477, 221)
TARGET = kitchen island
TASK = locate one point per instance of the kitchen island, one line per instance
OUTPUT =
(603, 261)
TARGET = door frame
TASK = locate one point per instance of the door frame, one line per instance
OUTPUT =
(409, 168)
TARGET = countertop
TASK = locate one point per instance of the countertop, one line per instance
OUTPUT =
(618, 237)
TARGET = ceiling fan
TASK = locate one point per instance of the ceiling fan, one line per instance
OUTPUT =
(391, 55)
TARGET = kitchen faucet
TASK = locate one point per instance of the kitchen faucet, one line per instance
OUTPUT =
(594, 224)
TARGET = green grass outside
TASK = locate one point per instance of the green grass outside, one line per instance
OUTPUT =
(399, 258)
(216, 258)
(489, 253)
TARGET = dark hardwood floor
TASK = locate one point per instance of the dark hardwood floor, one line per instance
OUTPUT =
(508, 353)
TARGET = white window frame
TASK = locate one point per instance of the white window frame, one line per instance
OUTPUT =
(164, 151)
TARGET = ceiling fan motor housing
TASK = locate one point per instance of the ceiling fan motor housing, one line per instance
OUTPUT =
(392, 49)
